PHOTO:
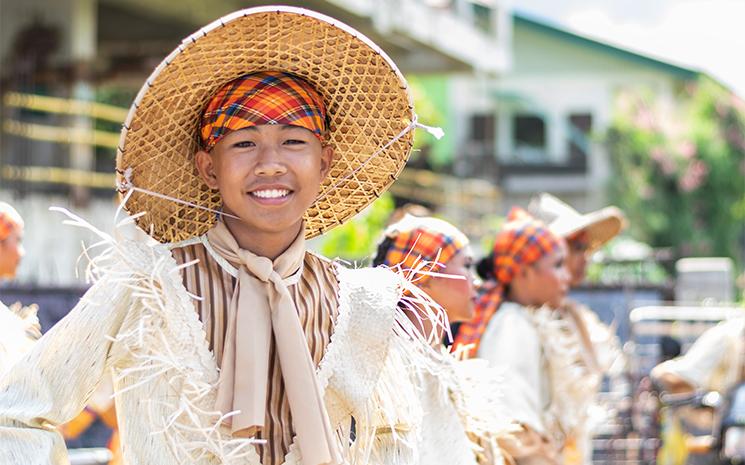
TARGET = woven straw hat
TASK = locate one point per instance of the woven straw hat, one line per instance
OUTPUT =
(368, 102)
(600, 226)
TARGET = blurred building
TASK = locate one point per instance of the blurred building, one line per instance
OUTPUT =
(537, 125)
(70, 68)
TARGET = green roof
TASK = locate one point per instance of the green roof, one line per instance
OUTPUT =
(526, 20)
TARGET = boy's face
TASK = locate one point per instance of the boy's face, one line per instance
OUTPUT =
(11, 252)
(267, 175)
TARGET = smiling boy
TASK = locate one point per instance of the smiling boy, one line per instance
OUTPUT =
(228, 342)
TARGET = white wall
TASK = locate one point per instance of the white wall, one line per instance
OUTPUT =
(53, 249)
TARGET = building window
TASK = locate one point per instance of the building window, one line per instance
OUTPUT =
(480, 150)
(482, 135)
(483, 18)
(580, 128)
(529, 133)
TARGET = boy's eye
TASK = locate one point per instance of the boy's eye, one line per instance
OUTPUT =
(244, 144)
(294, 142)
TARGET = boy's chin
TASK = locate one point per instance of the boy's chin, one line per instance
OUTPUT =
(267, 225)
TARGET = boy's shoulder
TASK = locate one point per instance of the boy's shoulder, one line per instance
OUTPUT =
(345, 270)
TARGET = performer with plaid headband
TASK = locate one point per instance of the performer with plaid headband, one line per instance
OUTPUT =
(230, 343)
(524, 272)
(470, 420)
(438, 254)
(521, 243)
(598, 346)
(11, 233)
(19, 326)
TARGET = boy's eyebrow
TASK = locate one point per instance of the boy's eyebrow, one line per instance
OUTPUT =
(281, 127)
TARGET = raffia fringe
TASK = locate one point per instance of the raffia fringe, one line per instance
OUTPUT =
(193, 428)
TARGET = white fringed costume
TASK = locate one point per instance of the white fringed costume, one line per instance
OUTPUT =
(19, 329)
(138, 322)
(554, 378)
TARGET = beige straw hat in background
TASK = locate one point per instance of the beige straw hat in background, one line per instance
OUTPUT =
(600, 226)
(368, 101)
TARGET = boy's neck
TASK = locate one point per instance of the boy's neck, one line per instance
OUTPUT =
(263, 244)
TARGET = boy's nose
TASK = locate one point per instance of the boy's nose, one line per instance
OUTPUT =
(270, 169)
(269, 162)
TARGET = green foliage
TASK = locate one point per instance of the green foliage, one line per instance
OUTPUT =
(679, 171)
(356, 239)
(426, 110)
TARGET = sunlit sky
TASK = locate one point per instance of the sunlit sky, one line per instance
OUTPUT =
(708, 35)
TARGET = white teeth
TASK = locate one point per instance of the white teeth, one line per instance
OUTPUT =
(271, 193)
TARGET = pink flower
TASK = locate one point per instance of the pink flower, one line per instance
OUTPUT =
(721, 109)
(687, 149)
(694, 176)
(737, 102)
(644, 118)
(663, 160)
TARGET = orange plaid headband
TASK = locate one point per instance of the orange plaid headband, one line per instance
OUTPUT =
(269, 97)
(9, 220)
(523, 241)
(422, 244)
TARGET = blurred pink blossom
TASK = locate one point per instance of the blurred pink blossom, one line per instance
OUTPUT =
(644, 118)
(735, 137)
(694, 176)
(737, 102)
(663, 160)
(687, 149)
(721, 109)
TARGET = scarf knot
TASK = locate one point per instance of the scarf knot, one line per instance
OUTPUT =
(261, 306)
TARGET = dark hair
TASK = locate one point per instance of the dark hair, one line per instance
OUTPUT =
(669, 347)
(383, 248)
(485, 267)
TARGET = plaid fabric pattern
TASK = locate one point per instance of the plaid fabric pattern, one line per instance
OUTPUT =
(270, 97)
(423, 244)
(522, 242)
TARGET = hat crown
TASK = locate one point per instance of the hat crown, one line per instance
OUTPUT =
(550, 209)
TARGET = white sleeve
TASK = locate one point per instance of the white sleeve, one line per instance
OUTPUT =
(706, 354)
(14, 340)
(512, 344)
(52, 383)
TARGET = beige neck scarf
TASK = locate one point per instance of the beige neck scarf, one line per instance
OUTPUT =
(261, 304)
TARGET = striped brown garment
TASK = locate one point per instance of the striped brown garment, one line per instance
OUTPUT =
(316, 298)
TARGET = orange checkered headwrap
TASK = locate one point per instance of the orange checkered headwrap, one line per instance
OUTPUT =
(421, 244)
(268, 97)
(9, 220)
(522, 241)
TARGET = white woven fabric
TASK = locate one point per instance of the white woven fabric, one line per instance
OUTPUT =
(138, 322)
(17, 327)
(463, 414)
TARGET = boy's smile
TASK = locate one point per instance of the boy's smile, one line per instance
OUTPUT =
(268, 176)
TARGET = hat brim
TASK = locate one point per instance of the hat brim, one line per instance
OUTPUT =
(367, 99)
(599, 226)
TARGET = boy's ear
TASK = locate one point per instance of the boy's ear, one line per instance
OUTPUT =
(206, 169)
(327, 157)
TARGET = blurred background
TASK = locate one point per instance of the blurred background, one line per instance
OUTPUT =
(635, 103)
(597, 102)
